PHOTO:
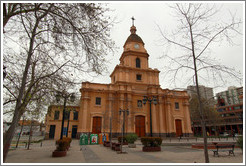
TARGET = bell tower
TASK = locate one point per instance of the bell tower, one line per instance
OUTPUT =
(134, 52)
(134, 66)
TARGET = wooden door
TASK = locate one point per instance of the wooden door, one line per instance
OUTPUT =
(97, 125)
(178, 127)
(52, 131)
(140, 125)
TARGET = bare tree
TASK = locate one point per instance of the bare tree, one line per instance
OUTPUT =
(195, 34)
(47, 45)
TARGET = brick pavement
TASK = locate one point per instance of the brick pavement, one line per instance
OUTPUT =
(101, 154)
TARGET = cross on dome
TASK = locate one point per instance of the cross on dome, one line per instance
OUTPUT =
(133, 20)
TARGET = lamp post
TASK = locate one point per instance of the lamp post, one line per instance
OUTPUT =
(68, 121)
(64, 95)
(150, 100)
(123, 127)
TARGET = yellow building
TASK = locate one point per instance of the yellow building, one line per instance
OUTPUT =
(131, 80)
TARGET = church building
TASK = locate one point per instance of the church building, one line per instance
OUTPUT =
(133, 101)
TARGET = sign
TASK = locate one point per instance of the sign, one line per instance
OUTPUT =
(93, 139)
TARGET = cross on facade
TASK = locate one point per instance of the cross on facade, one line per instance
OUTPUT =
(133, 21)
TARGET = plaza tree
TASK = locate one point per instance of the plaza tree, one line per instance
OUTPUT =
(48, 46)
(197, 31)
(211, 116)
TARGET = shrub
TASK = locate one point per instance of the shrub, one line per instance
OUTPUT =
(69, 140)
(240, 142)
(131, 138)
(62, 144)
(120, 138)
(151, 141)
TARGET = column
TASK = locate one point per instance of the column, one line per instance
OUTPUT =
(168, 117)
(188, 121)
(120, 121)
(83, 114)
(161, 118)
(110, 109)
(155, 127)
(130, 124)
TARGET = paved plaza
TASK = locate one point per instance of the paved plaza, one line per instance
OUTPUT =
(172, 152)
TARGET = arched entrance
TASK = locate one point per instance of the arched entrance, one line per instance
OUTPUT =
(178, 124)
(97, 125)
(140, 125)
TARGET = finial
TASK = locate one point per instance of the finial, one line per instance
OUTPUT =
(133, 21)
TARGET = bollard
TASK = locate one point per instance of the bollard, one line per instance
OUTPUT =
(41, 144)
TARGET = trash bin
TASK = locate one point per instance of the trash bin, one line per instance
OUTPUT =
(105, 137)
(83, 139)
(93, 139)
(100, 137)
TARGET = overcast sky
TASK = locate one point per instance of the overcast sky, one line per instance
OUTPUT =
(148, 15)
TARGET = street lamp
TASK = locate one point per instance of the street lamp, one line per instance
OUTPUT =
(64, 95)
(123, 128)
(68, 120)
(124, 111)
(150, 100)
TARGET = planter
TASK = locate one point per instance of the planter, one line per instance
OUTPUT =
(124, 143)
(151, 149)
(132, 145)
(117, 147)
(59, 153)
(106, 143)
(113, 146)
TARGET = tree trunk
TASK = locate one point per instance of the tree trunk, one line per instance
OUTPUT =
(199, 99)
(10, 133)
(20, 133)
(30, 136)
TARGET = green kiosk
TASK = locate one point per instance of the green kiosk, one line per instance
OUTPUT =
(83, 141)
(93, 139)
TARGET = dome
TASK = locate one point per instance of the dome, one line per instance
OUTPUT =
(134, 37)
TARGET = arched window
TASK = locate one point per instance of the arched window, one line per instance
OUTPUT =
(138, 64)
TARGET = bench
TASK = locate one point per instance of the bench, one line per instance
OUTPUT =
(20, 145)
(224, 148)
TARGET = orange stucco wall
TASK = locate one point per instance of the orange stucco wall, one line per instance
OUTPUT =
(123, 92)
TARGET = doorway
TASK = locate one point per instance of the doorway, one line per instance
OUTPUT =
(178, 127)
(97, 125)
(74, 131)
(52, 131)
(140, 125)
